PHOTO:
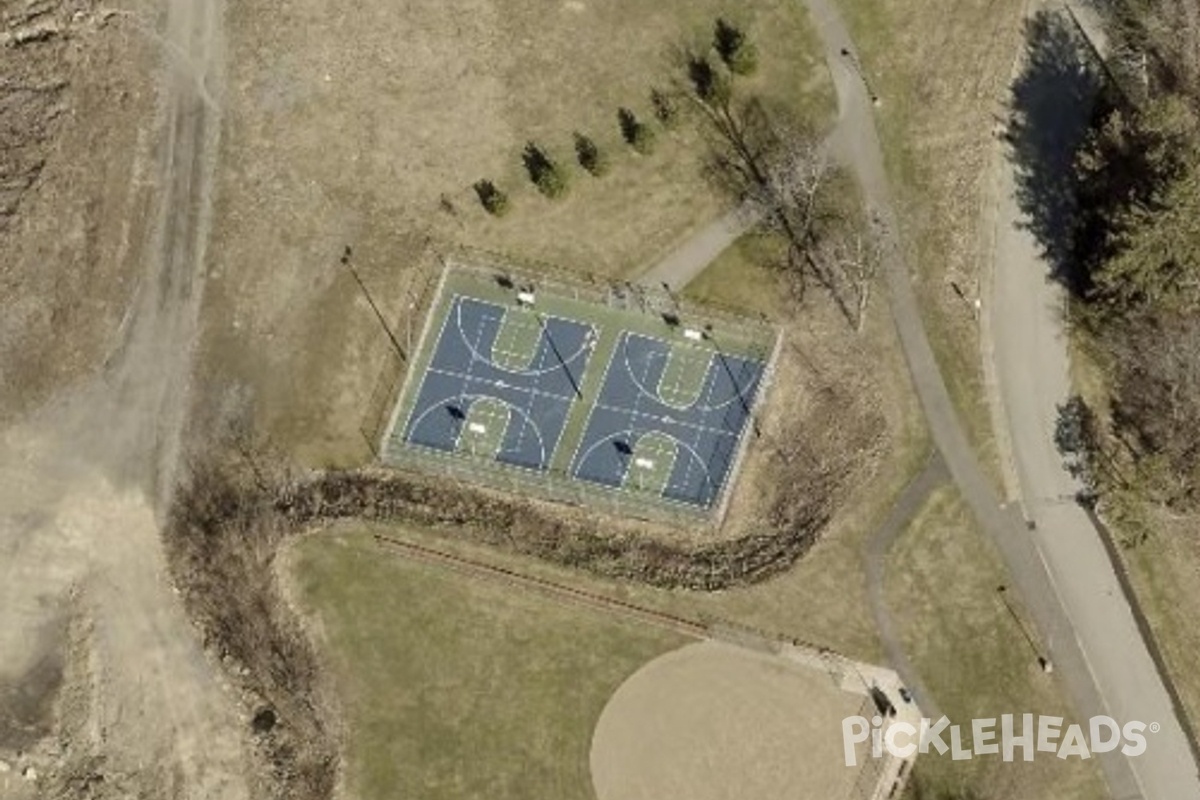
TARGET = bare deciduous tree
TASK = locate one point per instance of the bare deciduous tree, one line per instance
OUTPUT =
(856, 259)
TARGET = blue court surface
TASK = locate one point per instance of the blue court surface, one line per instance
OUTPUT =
(618, 408)
(463, 371)
(705, 433)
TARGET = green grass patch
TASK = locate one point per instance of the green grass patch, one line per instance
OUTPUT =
(651, 464)
(517, 340)
(941, 586)
(743, 277)
(683, 375)
(456, 688)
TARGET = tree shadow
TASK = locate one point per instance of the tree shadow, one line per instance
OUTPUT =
(1054, 104)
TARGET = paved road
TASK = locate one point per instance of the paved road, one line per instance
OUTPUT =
(1060, 569)
(1029, 348)
(1105, 668)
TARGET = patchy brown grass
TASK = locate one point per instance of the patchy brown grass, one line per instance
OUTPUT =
(1164, 570)
(348, 129)
(942, 68)
(458, 687)
(77, 107)
(942, 575)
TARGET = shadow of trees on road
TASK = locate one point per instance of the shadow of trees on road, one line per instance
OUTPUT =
(1053, 104)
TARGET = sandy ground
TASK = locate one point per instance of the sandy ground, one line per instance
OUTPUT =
(712, 721)
(85, 598)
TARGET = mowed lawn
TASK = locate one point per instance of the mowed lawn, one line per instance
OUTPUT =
(941, 585)
(457, 687)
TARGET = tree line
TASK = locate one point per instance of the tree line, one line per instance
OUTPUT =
(1134, 249)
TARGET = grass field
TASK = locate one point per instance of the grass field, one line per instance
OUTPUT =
(454, 687)
(1165, 573)
(352, 130)
(1164, 567)
(741, 277)
(971, 654)
(942, 68)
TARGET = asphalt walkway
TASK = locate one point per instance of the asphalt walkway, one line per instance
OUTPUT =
(1065, 579)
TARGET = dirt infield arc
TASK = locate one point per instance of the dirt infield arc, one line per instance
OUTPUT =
(712, 721)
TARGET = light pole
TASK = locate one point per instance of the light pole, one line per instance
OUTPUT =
(853, 59)
(1043, 662)
(345, 262)
(554, 348)
(672, 297)
(412, 307)
(708, 334)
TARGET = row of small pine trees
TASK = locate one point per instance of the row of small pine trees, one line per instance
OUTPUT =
(730, 43)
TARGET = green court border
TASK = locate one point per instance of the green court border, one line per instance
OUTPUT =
(582, 304)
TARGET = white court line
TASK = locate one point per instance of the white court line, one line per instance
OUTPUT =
(712, 362)
(449, 373)
(707, 473)
(681, 447)
(669, 420)
(587, 423)
(544, 346)
(437, 345)
(438, 406)
(476, 354)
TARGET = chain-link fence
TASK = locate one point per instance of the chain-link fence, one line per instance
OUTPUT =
(753, 338)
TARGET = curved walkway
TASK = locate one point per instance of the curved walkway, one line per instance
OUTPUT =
(1030, 350)
(907, 505)
(1059, 570)
(1105, 667)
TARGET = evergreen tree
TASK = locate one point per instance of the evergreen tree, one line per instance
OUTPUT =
(735, 50)
(709, 85)
(546, 175)
(665, 108)
(589, 155)
(494, 201)
(636, 133)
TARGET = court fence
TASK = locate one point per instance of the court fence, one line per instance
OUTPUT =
(623, 295)
(555, 484)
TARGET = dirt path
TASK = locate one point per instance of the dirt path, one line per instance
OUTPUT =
(84, 482)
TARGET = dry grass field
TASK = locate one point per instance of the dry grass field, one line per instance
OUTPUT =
(76, 139)
(971, 654)
(457, 687)
(1165, 573)
(352, 129)
(942, 69)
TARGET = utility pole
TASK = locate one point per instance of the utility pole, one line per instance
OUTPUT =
(1043, 662)
(737, 387)
(346, 262)
(554, 348)
(853, 59)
